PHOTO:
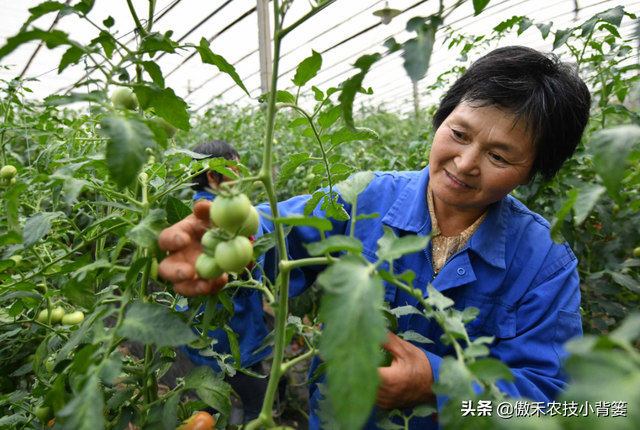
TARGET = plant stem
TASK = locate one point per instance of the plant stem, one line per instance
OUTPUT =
(139, 26)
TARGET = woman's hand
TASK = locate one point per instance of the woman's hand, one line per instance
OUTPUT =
(407, 382)
(182, 240)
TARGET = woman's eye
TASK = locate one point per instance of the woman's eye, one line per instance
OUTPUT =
(457, 134)
(497, 157)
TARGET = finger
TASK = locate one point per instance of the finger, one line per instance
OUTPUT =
(175, 269)
(186, 289)
(201, 211)
(394, 344)
(177, 236)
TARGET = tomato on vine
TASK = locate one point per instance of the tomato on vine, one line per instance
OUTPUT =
(199, 421)
(169, 130)
(210, 242)
(124, 98)
(207, 267)
(44, 413)
(56, 315)
(230, 213)
(251, 224)
(8, 172)
(234, 255)
(73, 318)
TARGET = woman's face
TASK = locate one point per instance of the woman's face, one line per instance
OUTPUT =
(214, 180)
(480, 148)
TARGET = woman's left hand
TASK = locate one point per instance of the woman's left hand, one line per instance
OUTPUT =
(407, 382)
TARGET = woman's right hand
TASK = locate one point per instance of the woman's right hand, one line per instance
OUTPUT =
(182, 240)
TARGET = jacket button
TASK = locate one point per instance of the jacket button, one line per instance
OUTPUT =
(461, 271)
(476, 323)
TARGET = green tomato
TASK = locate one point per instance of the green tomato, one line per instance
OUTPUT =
(49, 363)
(616, 209)
(169, 130)
(154, 270)
(251, 224)
(8, 172)
(44, 414)
(73, 318)
(207, 267)
(636, 252)
(124, 98)
(230, 213)
(234, 255)
(209, 242)
(56, 315)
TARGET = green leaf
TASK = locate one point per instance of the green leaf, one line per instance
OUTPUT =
(318, 94)
(352, 187)
(544, 29)
(12, 206)
(80, 293)
(479, 5)
(611, 149)
(84, 6)
(145, 234)
(312, 203)
(149, 323)
(613, 16)
(285, 97)
(170, 413)
(391, 247)
(629, 330)
(308, 69)
(334, 244)
(346, 134)
(412, 336)
(176, 210)
(172, 108)
(126, 149)
(72, 56)
(41, 10)
(587, 26)
(340, 168)
(290, 166)
(329, 116)
(425, 410)
(109, 22)
(354, 332)
(438, 300)
(37, 226)
(158, 42)
(455, 379)
(321, 224)
(586, 200)
(84, 411)
(212, 389)
(298, 122)
(152, 68)
(51, 38)
(417, 52)
(210, 58)
(558, 217)
(107, 41)
(353, 85)
(93, 96)
(490, 370)
(561, 37)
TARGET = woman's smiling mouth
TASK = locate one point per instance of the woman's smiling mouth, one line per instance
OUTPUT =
(455, 181)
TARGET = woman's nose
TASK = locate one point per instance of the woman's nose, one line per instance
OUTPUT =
(466, 161)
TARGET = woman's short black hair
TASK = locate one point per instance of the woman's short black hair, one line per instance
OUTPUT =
(547, 93)
(213, 149)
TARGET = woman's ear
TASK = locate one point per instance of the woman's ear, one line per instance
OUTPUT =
(214, 180)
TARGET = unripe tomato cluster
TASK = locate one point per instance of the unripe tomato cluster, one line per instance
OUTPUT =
(8, 175)
(58, 315)
(239, 219)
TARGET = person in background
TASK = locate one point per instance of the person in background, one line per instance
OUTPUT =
(248, 322)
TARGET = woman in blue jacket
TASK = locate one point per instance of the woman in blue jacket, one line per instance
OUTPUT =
(248, 321)
(515, 113)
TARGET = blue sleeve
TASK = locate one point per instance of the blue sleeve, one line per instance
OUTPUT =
(300, 278)
(547, 317)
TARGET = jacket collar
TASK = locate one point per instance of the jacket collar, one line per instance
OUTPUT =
(203, 195)
(410, 213)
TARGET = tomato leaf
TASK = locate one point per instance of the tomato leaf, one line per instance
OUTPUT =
(152, 68)
(352, 187)
(85, 408)
(145, 234)
(126, 149)
(212, 389)
(72, 56)
(209, 57)
(176, 210)
(172, 108)
(149, 323)
(37, 226)
(346, 134)
(51, 38)
(354, 331)
(611, 149)
(334, 244)
(391, 247)
(353, 85)
(308, 69)
(290, 166)
(479, 5)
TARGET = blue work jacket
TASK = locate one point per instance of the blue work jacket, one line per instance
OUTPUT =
(525, 285)
(247, 322)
